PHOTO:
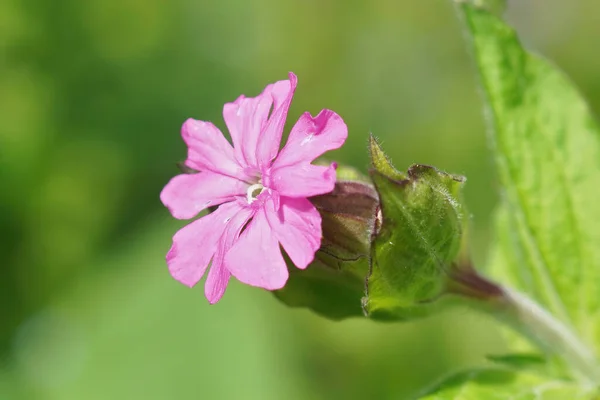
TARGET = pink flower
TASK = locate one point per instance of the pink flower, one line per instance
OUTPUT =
(262, 192)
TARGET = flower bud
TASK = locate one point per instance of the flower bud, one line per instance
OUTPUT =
(387, 250)
(349, 219)
(419, 239)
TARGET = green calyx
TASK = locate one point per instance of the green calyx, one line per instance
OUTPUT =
(419, 240)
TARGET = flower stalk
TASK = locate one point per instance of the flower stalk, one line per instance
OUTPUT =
(530, 319)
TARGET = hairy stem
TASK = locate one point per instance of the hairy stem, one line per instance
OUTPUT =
(535, 322)
(528, 318)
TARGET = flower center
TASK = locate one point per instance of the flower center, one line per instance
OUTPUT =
(253, 192)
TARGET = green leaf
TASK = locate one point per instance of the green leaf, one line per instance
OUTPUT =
(531, 363)
(547, 150)
(419, 238)
(498, 384)
(334, 284)
(519, 360)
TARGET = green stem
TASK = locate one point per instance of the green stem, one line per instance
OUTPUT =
(530, 319)
(536, 323)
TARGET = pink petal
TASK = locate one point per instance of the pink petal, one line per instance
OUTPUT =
(297, 226)
(270, 138)
(187, 194)
(311, 137)
(218, 276)
(209, 150)
(245, 119)
(216, 283)
(302, 180)
(194, 244)
(255, 258)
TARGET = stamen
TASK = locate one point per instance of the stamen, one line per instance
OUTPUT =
(252, 189)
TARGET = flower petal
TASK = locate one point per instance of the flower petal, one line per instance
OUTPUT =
(218, 276)
(209, 150)
(302, 180)
(297, 226)
(270, 138)
(245, 119)
(194, 244)
(187, 194)
(216, 283)
(255, 258)
(311, 137)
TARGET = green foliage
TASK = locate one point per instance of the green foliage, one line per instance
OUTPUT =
(519, 360)
(419, 238)
(498, 384)
(547, 148)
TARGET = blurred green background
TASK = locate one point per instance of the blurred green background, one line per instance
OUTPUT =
(92, 96)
